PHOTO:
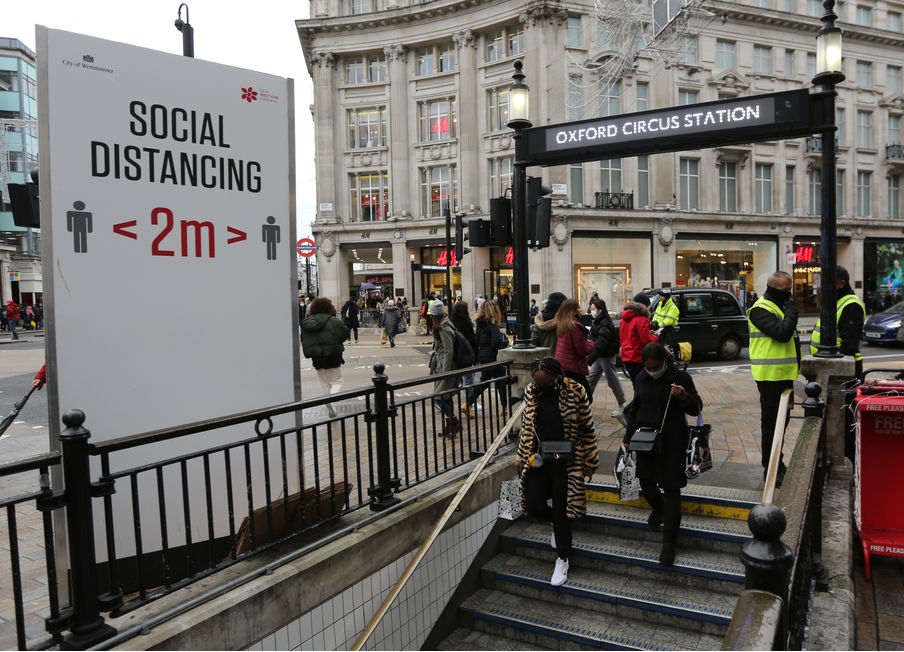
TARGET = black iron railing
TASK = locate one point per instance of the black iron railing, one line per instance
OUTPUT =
(894, 152)
(157, 531)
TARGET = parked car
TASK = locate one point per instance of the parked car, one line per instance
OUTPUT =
(711, 320)
(883, 327)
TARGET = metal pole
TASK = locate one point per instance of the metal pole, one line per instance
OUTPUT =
(448, 216)
(87, 625)
(519, 247)
(828, 293)
(188, 32)
(307, 276)
(382, 492)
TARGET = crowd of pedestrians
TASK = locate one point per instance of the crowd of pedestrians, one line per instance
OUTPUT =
(14, 317)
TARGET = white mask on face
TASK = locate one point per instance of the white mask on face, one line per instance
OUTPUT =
(594, 312)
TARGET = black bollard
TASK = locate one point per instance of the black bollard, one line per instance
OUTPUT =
(87, 625)
(382, 492)
(767, 561)
(812, 405)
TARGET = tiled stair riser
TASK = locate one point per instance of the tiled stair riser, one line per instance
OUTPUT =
(623, 607)
(689, 505)
(648, 568)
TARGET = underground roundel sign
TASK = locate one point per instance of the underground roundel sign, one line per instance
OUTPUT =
(306, 247)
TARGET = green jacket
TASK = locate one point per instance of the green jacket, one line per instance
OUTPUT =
(442, 358)
(322, 338)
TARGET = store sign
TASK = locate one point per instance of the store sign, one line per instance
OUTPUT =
(710, 124)
(383, 279)
(803, 255)
(443, 258)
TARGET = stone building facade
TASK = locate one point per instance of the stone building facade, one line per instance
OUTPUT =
(410, 106)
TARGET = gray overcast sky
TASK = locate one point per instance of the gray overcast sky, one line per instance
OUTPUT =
(258, 35)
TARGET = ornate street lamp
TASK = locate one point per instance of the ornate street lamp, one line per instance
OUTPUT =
(828, 74)
(519, 104)
(188, 32)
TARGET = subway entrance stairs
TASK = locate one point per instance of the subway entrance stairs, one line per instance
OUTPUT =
(617, 595)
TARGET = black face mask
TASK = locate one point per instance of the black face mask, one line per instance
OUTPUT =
(779, 297)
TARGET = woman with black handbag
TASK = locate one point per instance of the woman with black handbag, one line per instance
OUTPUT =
(663, 396)
(556, 451)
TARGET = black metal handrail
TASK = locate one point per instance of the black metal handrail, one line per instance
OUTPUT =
(259, 490)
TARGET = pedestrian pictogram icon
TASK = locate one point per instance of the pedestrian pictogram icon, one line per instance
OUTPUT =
(306, 247)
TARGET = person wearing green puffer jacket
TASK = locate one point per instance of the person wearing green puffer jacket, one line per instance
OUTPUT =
(322, 337)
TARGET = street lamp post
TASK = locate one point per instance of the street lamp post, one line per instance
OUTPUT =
(828, 74)
(188, 33)
(519, 97)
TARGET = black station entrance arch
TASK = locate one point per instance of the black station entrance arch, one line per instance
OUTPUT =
(756, 118)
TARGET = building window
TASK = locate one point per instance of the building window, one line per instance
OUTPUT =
(688, 97)
(765, 4)
(574, 110)
(894, 196)
(839, 125)
(498, 108)
(728, 187)
(789, 63)
(610, 98)
(864, 74)
(434, 59)
(839, 192)
(377, 70)
(577, 183)
(574, 31)
(356, 7)
(447, 59)
(367, 127)
(789, 189)
(355, 71)
(439, 190)
(500, 175)
(762, 59)
(864, 16)
(894, 130)
(505, 43)
(893, 22)
(643, 180)
(643, 93)
(436, 120)
(864, 129)
(689, 184)
(892, 79)
(762, 188)
(789, 6)
(725, 54)
(814, 192)
(863, 193)
(814, 8)
(369, 196)
(687, 49)
(610, 175)
(811, 65)
(363, 70)
(606, 35)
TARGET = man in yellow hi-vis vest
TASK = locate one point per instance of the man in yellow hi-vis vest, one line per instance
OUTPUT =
(665, 318)
(850, 316)
(774, 355)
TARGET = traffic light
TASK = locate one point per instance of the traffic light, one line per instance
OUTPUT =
(24, 200)
(539, 213)
(501, 221)
(460, 237)
(479, 233)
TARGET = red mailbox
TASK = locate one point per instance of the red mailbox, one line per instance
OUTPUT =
(878, 490)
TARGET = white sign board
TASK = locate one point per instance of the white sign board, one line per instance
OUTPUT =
(167, 190)
(170, 233)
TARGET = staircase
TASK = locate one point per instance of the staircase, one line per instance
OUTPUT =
(617, 595)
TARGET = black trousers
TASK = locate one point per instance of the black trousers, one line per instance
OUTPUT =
(541, 484)
(668, 506)
(633, 368)
(581, 378)
(770, 397)
(350, 330)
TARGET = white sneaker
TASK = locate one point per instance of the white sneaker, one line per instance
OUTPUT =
(552, 540)
(620, 415)
(560, 574)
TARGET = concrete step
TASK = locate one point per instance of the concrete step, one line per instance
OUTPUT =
(644, 599)
(707, 532)
(471, 639)
(696, 498)
(712, 570)
(562, 626)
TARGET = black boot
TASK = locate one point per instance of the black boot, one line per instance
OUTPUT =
(667, 556)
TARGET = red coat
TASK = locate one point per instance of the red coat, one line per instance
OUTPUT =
(572, 350)
(12, 311)
(634, 332)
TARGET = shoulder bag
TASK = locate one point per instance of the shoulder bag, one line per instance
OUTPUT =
(646, 440)
(557, 451)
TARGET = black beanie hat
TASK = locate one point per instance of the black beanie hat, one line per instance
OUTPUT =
(640, 297)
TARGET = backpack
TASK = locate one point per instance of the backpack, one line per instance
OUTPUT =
(463, 354)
